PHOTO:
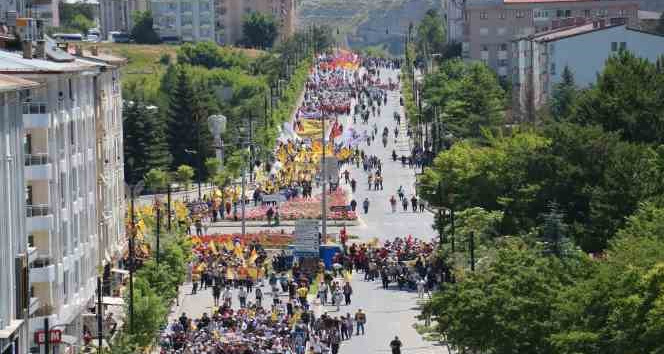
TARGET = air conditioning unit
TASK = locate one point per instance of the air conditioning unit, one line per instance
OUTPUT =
(11, 18)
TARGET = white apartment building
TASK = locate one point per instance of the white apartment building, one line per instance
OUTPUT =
(14, 253)
(46, 10)
(73, 201)
(539, 60)
(453, 15)
(184, 20)
(116, 15)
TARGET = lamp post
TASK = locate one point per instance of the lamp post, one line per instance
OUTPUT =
(132, 191)
(217, 126)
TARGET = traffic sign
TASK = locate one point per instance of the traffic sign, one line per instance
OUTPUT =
(54, 334)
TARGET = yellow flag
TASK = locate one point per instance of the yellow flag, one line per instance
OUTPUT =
(348, 276)
(213, 248)
(252, 272)
(252, 257)
(228, 245)
(229, 274)
(239, 250)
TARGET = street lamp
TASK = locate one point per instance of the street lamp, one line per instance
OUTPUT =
(132, 191)
(217, 126)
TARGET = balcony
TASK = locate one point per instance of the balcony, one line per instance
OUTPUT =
(42, 271)
(502, 55)
(38, 167)
(35, 115)
(39, 217)
(32, 254)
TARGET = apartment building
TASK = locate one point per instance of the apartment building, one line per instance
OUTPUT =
(229, 15)
(219, 21)
(73, 186)
(490, 25)
(116, 15)
(453, 15)
(14, 253)
(184, 20)
(540, 59)
(46, 10)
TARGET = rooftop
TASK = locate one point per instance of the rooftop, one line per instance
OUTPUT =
(13, 62)
(11, 83)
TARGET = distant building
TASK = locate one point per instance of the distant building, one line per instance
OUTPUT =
(490, 25)
(15, 254)
(116, 15)
(453, 15)
(184, 20)
(218, 21)
(540, 59)
(46, 10)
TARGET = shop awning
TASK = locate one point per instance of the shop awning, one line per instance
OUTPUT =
(112, 301)
(120, 271)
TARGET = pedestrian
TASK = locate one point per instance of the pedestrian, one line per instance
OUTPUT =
(269, 213)
(393, 204)
(353, 205)
(413, 202)
(322, 293)
(421, 205)
(228, 296)
(216, 293)
(334, 342)
(259, 297)
(348, 291)
(349, 325)
(302, 292)
(420, 288)
(404, 204)
(338, 296)
(347, 176)
(395, 344)
(360, 320)
(353, 184)
(365, 205)
(242, 296)
(194, 283)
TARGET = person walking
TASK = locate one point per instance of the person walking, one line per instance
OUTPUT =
(395, 345)
(393, 204)
(404, 204)
(400, 192)
(420, 288)
(216, 294)
(413, 202)
(347, 176)
(338, 296)
(370, 180)
(360, 320)
(421, 205)
(227, 297)
(348, 291)
(365, 205)
(353, 184)
(259, 297)
(242, 296)
(322, 293)
(353, 205)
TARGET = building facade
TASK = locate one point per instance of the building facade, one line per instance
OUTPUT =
(219, 21)
(490, 25)
(72, 142)
(116, 15)
(453, 15)
(14, 252)
(539, 60)
(46, 10)
(184, 20)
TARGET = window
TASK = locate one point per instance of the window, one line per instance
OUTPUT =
(503, 46)
(65, 286)
(586, 13)
(553, 68)
(484, 31)
(568, 13)
(483, 15)
(602, 12)
(520, 14)
(502, 31)
(614, 46)
(485, 48)
(63, 189)
(623, 46)
(502, 15)
(502, 62)
(622, 13)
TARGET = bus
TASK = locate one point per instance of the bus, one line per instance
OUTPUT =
(118, 37)
(68, 37)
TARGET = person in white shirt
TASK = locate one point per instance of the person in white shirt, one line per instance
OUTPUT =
(228, 297)
(242, 295)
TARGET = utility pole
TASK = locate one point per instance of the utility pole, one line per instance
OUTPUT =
(452, 228)
(472, 251)
(323, 184)
(158, 229)
(168, 198)
(100, 308)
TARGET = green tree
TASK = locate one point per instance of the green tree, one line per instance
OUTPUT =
(259, 29)
(322, 38)
(81, 23)
(149, 313)
(212, 166)
(184, 175)
(210, 55)
(145, 144)
(143, 31)
(431, 37)
(156, 179)
(564, 95)
(626, 99)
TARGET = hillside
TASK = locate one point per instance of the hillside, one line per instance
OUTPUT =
(366, 23)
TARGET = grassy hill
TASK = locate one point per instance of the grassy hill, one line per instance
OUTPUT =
(366, 23)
